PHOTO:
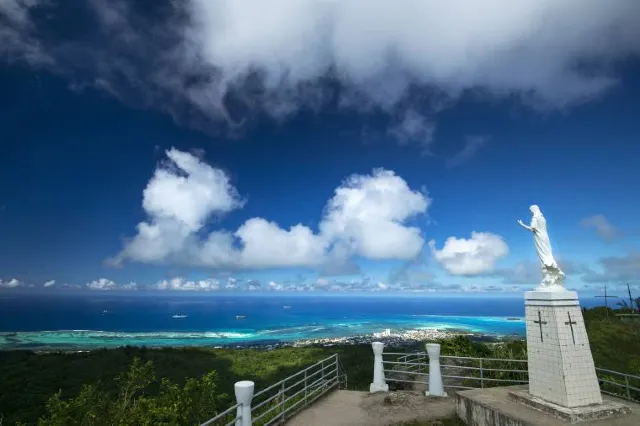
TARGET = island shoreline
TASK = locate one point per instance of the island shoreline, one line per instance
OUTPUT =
(400, 338)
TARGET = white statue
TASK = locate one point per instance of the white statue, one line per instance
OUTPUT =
(552, 275)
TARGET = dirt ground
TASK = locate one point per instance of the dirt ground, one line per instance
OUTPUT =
(351, 408)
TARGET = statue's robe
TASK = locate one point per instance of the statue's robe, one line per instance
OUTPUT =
(542, 242)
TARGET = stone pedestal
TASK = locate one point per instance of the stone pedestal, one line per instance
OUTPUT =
(244, 395)
(561, 368)
(379, 384)
(435, 375)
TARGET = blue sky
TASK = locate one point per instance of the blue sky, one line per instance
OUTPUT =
(269, 164)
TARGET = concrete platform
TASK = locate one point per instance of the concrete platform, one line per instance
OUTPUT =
(496, 407)
(352, 408)
(605, 410)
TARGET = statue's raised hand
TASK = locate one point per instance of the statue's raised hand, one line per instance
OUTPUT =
(527, 227)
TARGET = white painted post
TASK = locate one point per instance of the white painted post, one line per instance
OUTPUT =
(244, 395)
(379, 384)
(435, 377)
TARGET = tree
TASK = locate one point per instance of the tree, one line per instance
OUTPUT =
(172, 405)
(623, 304)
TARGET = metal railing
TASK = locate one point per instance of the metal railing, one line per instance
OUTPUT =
(457, 372)
(471, 372)
(226, 418)
(282, 400)
(618, 384)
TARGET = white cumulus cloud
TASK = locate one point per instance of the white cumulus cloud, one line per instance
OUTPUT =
(106, 284)
(366, 217)
(225, 60)
(275, 286)
(49, 283)
(368, 214)
(129, 286)
(476, 255)
(180, 283)
(322, 283)
(12, 283)
(265, 244)
(102, 284)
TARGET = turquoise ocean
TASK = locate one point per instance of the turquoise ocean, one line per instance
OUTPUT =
(90, 320)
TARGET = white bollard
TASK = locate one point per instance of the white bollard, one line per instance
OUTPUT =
(244, 395)
(379, 384)
(435, 377)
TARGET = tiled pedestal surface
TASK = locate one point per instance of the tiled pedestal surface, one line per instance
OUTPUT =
(561, 368)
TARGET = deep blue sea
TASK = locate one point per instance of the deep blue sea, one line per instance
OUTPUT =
(93, 320)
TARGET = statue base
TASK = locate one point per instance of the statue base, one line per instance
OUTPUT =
(511, 405)
(556, 288)
(560, 364)
(552, 278)
(605, 410)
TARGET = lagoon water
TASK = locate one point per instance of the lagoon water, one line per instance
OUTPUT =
(90, 320)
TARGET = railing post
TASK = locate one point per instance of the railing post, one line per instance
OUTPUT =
(244, 395)
(626, 381)
(481, 375)
(435, 377)
(424, 368)
(379, 384)
(337, 372)
(306, 389)
(282, 399)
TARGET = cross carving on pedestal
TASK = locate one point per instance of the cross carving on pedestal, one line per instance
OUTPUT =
(570, 324)
(540, 322)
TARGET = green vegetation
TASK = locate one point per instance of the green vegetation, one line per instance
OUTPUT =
(615, 344)
(28, 380)
(630, 306)
(184, 385)
(133, 405)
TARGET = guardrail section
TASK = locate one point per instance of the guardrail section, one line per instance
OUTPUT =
(457, 372)
(410, 370)
(282, 400)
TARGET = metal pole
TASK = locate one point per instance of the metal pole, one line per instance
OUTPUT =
(425, 366)
(282, 399)
(606, 300)
(481, 375)
(337, 372)
(306, 389)
(626, 380)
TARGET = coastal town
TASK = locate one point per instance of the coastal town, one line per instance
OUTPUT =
(388, 337)
(395, 338)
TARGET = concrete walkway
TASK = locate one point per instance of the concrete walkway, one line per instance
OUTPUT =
(352, 408)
